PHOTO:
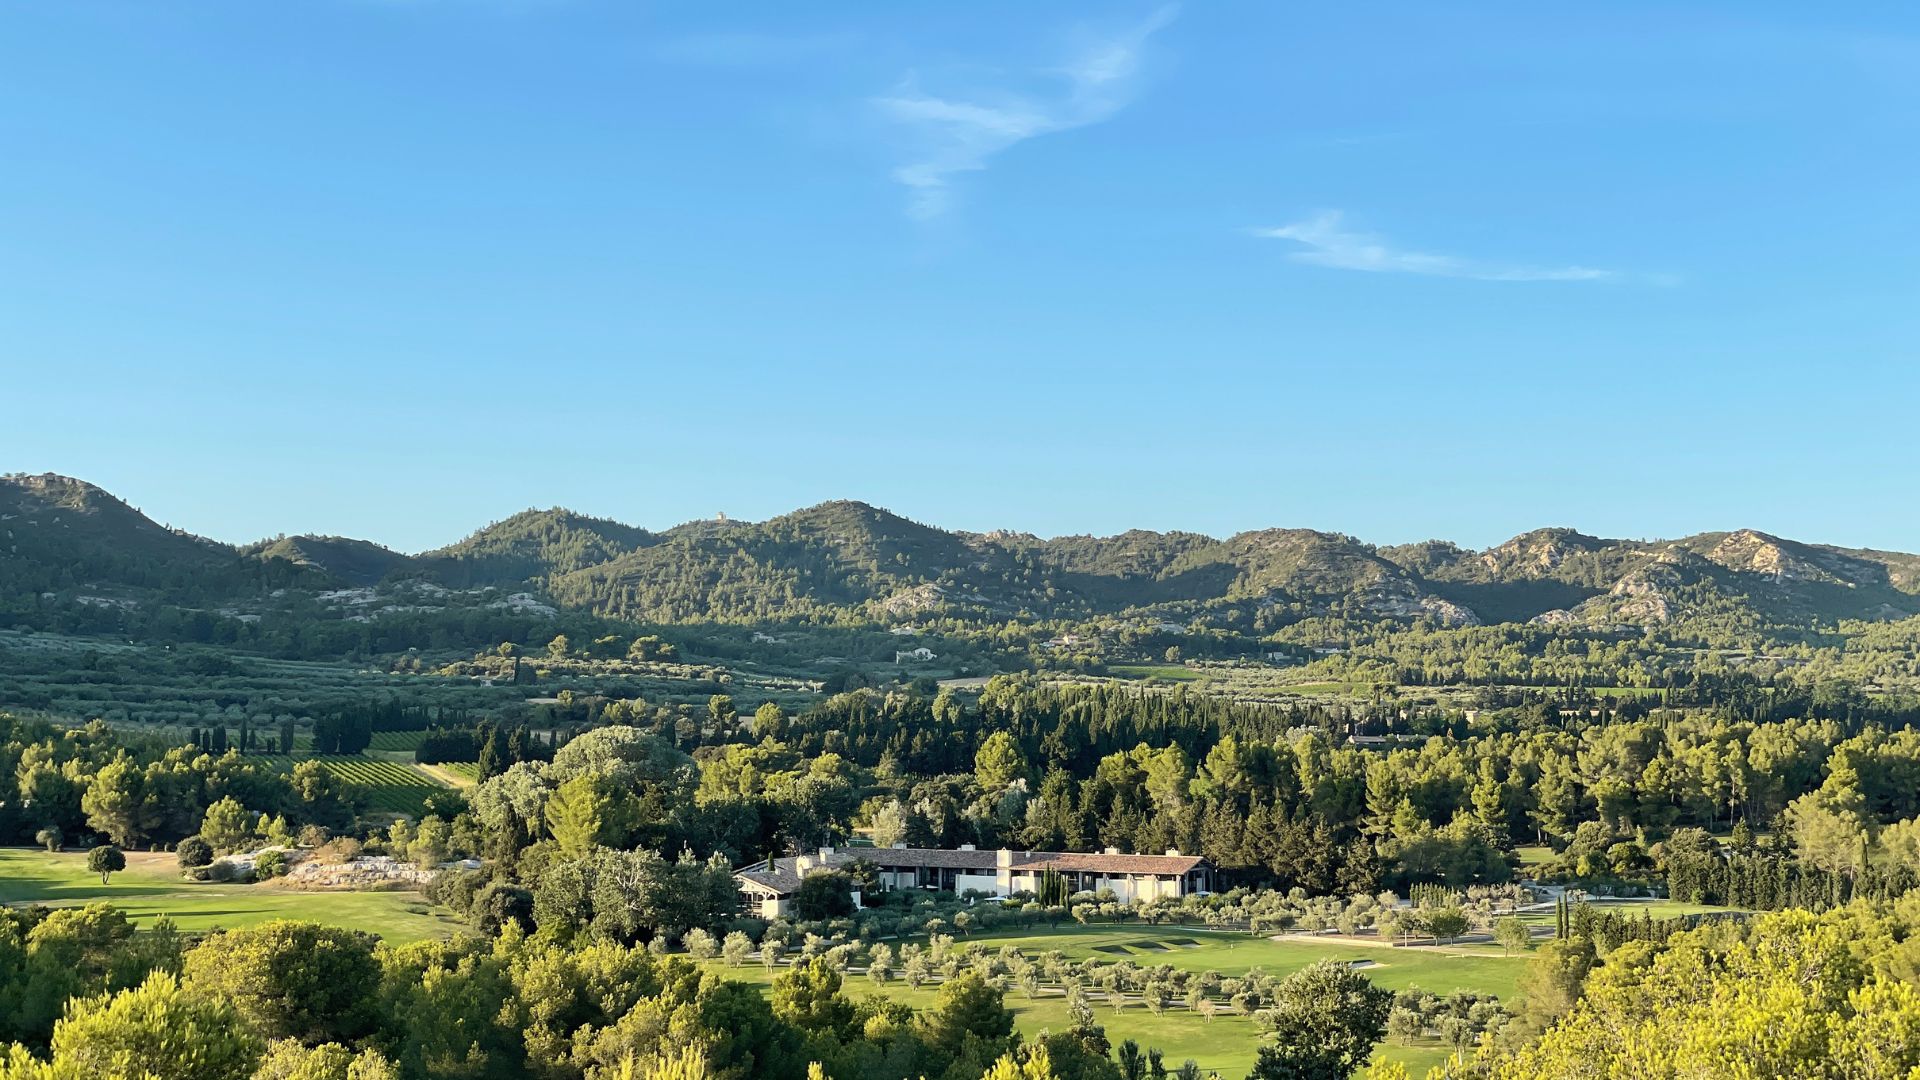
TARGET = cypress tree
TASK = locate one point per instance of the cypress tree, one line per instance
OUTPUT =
(490, 765)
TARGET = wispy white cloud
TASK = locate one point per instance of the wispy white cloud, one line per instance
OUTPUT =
(1325, 241)
(950, 135)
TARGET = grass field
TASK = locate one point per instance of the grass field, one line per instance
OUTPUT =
(394, 786)
(454, 773)
(408, 741)
(1623, 691)
(1534, 854)
(1228, 1043)
(1236, 954)
(150, 887)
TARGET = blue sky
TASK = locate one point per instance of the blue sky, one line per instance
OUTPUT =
(396, 268)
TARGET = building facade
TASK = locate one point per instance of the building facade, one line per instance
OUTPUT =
(767, 887)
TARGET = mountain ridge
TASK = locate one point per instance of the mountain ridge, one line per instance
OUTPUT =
(853, 558)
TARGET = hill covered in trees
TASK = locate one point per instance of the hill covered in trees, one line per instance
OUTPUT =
(849, 560)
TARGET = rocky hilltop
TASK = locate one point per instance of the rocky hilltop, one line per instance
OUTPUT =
(63, 536)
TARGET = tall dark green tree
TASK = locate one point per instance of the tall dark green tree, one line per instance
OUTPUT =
(490, 763)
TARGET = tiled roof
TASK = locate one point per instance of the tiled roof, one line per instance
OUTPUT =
(784, 874)
(946, 858)
(780, 881)
(1068, 861)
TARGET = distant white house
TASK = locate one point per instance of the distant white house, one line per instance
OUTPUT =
(920, 654)
(766, 887)
(904, 631)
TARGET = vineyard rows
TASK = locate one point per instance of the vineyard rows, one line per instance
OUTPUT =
(397, 740)
(391, 786)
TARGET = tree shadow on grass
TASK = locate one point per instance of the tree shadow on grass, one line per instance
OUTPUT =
(155, 913)
(32, 891)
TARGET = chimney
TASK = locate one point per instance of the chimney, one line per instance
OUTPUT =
(901, 846)
(803, 864)
(1113, 851)
(826, 855)
(968, 847)
(1173, 852)
(1003, 858)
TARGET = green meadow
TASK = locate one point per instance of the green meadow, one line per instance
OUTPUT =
(150, 887)
(1228, 1043)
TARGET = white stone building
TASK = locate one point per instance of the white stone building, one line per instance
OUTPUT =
(766, 887)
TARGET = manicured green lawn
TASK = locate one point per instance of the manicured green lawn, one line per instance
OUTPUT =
(1534, 854)
(1623, 691)
(150, 887)
(1235, 954)
(1229, 1042)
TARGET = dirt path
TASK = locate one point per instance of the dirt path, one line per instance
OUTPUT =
(444, 777)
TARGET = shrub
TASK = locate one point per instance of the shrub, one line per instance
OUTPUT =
(498, 903)
(824, 894)
(269, 864)
(456, 889)
(752, 927)
(194, 851)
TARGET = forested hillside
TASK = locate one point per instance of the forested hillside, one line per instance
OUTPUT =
(848, 560)
(62, 534)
